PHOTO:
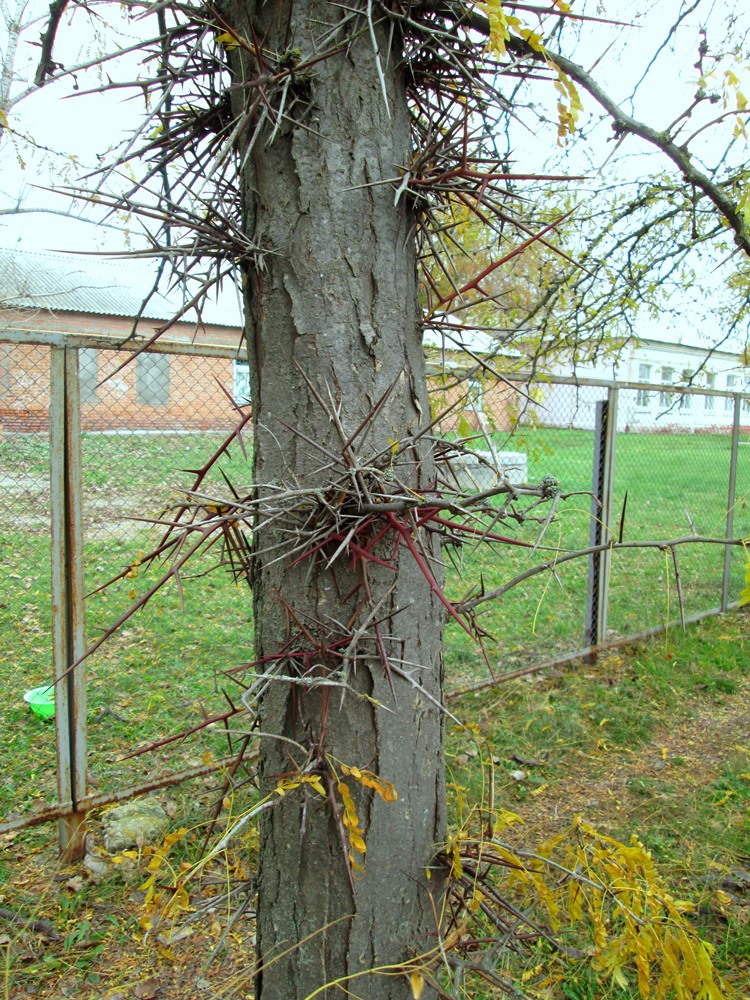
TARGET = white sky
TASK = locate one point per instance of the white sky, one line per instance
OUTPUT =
(83, 126)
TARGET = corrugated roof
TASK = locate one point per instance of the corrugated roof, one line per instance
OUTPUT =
(92, 285)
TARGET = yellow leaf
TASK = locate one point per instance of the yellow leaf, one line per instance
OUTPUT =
(417, 984)
(508, 818)
(387, 792)
(148, 888)
(357, 843)
(619, 977)
(350, 820)
(476, 900)
(316, 783)
(457, 869)
(228, 40)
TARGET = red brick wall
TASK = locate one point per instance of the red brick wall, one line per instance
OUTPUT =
(196, 398)
(499, 405)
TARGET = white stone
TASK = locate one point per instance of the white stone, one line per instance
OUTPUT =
(133, 824)
(477, 471)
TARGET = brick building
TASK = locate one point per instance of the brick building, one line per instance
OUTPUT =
(50, 299)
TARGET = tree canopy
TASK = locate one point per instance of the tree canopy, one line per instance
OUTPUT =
(670, 217)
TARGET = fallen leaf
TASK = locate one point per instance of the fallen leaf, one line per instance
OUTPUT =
(147, 989)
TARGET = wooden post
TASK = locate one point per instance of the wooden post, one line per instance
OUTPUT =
(600, 532)
(731, 501)
(68, 596)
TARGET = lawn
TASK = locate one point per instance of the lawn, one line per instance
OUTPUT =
(671, 482)
(159, 674)
(164, 671)
(647, 742)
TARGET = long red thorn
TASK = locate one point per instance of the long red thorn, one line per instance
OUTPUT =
(406, 534)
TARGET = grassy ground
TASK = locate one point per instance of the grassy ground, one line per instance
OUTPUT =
(600, 731)
(650, 740)
(671, 482)
(159, 674)
(167, 665)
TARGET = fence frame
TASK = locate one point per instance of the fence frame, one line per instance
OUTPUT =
(68, 589)
(68, 593)
(67, 553)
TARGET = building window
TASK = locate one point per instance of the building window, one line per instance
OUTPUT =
(667, 378)
(708, 401)
(687, 375)
(152, 379)
(5, 363)
(88, 374)
(241, 387)
(643, 397)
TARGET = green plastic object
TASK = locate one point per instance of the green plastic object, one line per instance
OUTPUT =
(42, 701)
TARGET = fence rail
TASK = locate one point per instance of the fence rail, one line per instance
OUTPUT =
(89, 452)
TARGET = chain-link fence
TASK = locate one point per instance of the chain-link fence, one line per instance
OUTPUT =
(146, 423)
(663, 465)
(147, 426)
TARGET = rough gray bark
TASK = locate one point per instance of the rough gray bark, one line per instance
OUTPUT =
(334, 297)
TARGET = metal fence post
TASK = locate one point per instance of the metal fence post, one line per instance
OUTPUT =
(731, 500)
(68, 596)
(602, 488)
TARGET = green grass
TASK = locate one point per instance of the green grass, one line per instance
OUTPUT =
(597, 732)
(648, 741)
(667, 478)
(164, 670)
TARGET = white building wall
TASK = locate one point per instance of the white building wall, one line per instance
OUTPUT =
(663, 366)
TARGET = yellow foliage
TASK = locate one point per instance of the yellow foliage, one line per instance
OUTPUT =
(503, 24)
(289, 784)
(417, 984)
(745, 594)
(569, 104)
(611, 892)
(500, 23)
(385, 789)
(228, 40)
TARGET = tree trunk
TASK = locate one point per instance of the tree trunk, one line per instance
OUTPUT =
(332, 310)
